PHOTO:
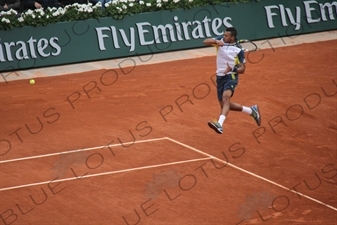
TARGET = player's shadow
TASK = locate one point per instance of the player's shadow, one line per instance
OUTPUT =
(66, 161)
(160, 181)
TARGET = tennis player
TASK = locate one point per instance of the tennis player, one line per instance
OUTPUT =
(230, 62)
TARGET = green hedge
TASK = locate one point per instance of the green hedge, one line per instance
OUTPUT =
(117, 10)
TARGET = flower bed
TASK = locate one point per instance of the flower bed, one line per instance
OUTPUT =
(116, 9)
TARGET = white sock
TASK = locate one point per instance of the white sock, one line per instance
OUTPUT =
(247, 110)
(221, 119)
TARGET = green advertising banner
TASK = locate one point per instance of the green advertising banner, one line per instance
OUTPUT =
(149, 33)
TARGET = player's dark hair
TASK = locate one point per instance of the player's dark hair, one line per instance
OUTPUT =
(233, 31)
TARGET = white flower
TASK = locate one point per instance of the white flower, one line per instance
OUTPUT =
(61, 10)
(175, 1)
(165, 0)
(119, 9)
(29, 11)
(141, 2)
(105, 4)
(40, 11)
(130, 4)
(11, 11)
(148, 4)
(158, 4)
(158, 1)
(190, 0)
(5, 20)
(20, 19)
(124, 7)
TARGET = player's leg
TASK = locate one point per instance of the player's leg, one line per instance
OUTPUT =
(220, 83)
(225, 88)
(225, 105)
(226, 96)
(252, 111)
(239, 108)
(235, 107)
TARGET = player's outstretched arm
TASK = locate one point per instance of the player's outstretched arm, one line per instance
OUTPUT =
(211, 41)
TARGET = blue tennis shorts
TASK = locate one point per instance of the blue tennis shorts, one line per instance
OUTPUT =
(224, 83)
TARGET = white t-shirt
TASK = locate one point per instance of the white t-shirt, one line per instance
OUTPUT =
(229, 53)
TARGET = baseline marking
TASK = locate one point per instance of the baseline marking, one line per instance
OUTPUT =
(253, 174)
(105, 173)
(78, 150)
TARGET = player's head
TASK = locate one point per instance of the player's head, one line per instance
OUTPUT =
(230, 35)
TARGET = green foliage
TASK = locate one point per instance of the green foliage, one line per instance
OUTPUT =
(116, 9)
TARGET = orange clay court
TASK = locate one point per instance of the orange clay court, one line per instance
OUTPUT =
(132, 146)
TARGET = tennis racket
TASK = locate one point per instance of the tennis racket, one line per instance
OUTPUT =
(247, 45)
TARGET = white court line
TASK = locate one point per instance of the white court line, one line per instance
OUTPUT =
(79, 150)
(253, 174)
(105, 173)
